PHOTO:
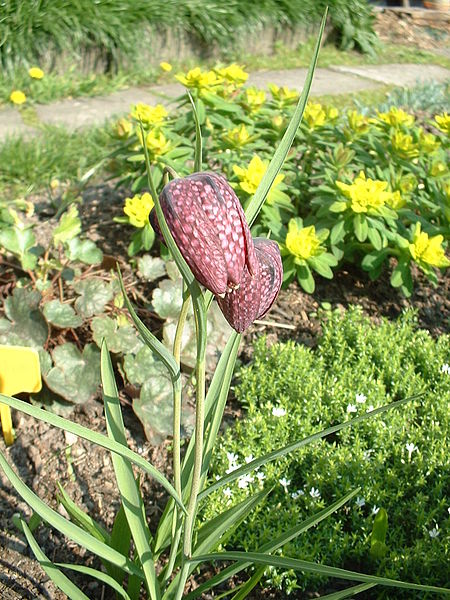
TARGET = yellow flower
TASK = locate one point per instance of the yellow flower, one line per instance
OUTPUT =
(332, 113)
(408, 184)
(404, 145)
(196, 78)
(428, 251)
(138, 209)
(365, 195)
(254, 99)
(239, 136)
(157, 143)
(251, 177)
(278, 122)
(283, 94)
(396, 117)
(396, 200)
(443, 122)
(303, 243)
(314, 115)
(36, 73)
(357, 122)
(428, 142)
(124, 127)
(17, 97)
(234, 74)
(151, 115)
(165, 66)
(438, 169)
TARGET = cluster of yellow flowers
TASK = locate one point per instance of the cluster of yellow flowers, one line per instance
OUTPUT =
(228, 79)
(250, 178)
(367, 195)
(316, 115)
(149, 115)
(303, 242)
(138, 209)
(17, 96)
(427, 250)
(395, 117)
(238, 136)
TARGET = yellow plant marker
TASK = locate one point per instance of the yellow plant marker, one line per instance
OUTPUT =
(19, 372)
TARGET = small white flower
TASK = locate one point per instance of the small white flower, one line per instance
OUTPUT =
(433, 533)
(445, 368)
(411, 447)
(249, 458)
(232, 458)
(231, 469)
(278, 411)
(351, 408)
(297, 494)
(360, 398)
(314, 493)
(370, 408)
(244, 481)
(360, 502)
(260, 476)
(285, 482)
(227, 492)
(375, 509)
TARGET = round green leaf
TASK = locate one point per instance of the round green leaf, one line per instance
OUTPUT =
(94, 295)
(61, 315)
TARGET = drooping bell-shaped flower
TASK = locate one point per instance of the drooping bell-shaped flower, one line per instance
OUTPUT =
(257, 292)
(208, 225)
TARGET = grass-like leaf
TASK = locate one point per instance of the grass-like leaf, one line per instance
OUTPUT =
(132, 501)
(299, 444)
(282, 562)
(64, 526)
(92, 436)
(198, 136)
(103, 577)
(351, 591)
(81, 518)
(281, 152)
(273, 545)
(59, 579)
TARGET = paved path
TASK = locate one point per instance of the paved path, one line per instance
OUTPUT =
(82, 112)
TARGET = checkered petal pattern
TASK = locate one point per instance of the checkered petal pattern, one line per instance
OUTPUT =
(257, 292)
(208, 224)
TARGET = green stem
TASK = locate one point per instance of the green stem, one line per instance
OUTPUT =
(176, 521)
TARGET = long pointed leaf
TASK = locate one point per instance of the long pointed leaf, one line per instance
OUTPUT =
(352, 591)
(82, 519)
(103, 577)
(282, 562)
(296, 445)
(273, 545)
(58, 578)
(92, 436)
(64, 526)
(131, 497)
(198, 136)
(281, 152)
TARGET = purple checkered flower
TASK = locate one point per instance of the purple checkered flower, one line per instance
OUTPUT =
(208, 225)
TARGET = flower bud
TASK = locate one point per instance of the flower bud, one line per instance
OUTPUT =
(208, 225)
(256, 294)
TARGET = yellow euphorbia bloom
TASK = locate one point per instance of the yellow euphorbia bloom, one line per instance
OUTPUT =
(19, 372)
(404, 144)
(365, 195)
(251, 177)
(396, 200)
(165, 66)
(156, 142)
(283, 94)
(17, 97)
(438, 169)
(303, 243)
(428, 142)
(234, 74)
(151, 115)
(254, 99)
(138, 209)
(357, 122)
(238, 136)
(196, 78)
(314, 115)
(124, 127)
(443, 122)
(428, 251)
(36, 73)
(396, 117)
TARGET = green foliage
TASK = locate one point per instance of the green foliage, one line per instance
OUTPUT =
(399, 461)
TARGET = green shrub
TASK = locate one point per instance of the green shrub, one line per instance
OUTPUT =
(399, 461)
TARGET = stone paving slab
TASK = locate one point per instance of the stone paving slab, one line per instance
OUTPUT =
(11, 123)
(398, 74)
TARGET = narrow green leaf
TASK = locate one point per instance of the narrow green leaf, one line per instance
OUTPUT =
(64, 526)
(352, 591)
(281, 152)
(103, 577)
(80, 518)
(299, 444)
(129, 491)
(310, 567)
(92, 436)
(58, 578)
(273, 545)
(198, 136)
(120, 541)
